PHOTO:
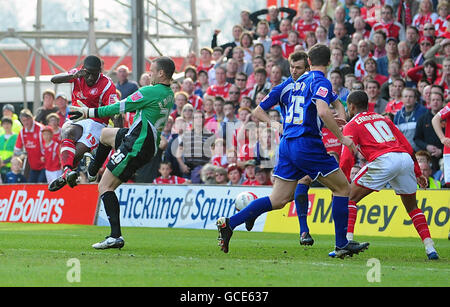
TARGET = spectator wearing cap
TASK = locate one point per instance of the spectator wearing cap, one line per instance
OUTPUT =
(7, 142)
(29, 142)
(48, 106)
(388, 24)
(425, 43)
(249, 172)
(51, 157)
(61, 103)
(125, 86)
(390, 56)
(235, 175)
(8, 111)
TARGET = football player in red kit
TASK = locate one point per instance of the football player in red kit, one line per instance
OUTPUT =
(92, 89)
(390, 160)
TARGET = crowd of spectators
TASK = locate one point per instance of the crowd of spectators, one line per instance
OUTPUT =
(397, 51)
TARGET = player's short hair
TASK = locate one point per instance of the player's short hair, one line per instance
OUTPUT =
(299, 55)
(165, 64)
(359, 99)
(92, 61)
(319, 55)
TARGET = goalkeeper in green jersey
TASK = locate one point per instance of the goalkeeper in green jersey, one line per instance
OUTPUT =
(134, 146)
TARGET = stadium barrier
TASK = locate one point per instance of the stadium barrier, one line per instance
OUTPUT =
(178, 206)
(198, 206)
(33, 203)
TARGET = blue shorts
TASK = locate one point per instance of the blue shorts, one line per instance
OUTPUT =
(303, 156)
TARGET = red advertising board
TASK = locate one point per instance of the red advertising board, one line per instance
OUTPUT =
(33, 203)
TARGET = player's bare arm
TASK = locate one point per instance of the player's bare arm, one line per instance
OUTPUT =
(66, 78)
(436, 122)
(340, 116)
(262, 116)
(327, 117)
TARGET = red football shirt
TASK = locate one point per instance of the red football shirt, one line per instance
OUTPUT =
(51, 156)
(331, 142)
(219, 90)
(301, 27)
(393, 106)
(445, 115)
(196, 102)
(102, 93)
(32, 141)
(375, 135)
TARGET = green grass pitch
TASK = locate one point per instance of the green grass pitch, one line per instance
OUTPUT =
(38, 255)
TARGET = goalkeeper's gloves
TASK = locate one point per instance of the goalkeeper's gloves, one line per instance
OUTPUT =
(82, 112)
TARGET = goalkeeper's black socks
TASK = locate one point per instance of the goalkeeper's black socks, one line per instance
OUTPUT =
(100, 158)
(112, 209)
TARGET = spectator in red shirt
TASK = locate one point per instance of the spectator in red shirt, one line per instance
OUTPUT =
(51, 155)
(234, 175)
(30, 139)
(395, 93)
(221, 87)
(307, 23)
(188, 86)
(165, 169)
(262, 176)
(370, 66)
(249, 172)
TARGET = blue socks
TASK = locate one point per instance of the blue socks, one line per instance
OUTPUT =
(251, 212)
(339, 211)
(301, 205)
